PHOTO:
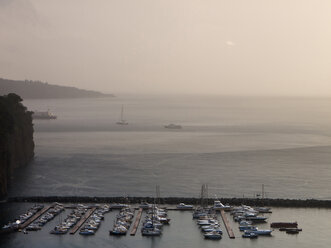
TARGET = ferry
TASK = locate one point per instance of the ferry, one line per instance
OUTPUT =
(46, 115)
(173, 126)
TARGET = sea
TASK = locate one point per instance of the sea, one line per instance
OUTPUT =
(233, 144)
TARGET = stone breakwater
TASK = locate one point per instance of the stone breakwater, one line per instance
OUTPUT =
(308, 203)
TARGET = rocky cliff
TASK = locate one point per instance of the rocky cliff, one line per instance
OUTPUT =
(16, 137)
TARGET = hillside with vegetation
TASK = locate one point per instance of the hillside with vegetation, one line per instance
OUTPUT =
(16, 137)
(28, 89)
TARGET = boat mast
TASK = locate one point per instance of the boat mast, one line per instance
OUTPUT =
(122, 113)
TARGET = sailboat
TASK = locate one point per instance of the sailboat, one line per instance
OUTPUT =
(122, 121)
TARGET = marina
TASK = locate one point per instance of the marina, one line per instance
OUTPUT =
(181, 226)
(82, 220)
(36, 216)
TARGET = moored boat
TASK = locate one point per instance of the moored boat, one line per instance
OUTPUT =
(212, 235)
(284, 225)
(183, 206)
(250, 235)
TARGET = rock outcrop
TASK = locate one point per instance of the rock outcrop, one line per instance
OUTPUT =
(16, 138)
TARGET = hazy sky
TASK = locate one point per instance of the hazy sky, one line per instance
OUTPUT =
(255, 47)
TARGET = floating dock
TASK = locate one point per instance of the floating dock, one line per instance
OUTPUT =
(227, 225)
(136, 223)
(36, 216)
(82, 220)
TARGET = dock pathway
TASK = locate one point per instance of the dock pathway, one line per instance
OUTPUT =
(36, 216)
(82, 220)
(136, 223)
(227, 225)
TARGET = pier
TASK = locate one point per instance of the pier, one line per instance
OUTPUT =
(82, 220)
(136, 223)
(227, 225)
(36, 216)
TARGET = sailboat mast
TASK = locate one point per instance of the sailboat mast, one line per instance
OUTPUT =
(122, 113)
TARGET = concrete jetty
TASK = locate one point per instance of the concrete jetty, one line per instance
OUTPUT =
(227, 225)
(36, 216)
(82, 220)
(136, 223)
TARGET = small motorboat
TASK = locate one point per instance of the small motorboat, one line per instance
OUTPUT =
(183, 206)
(212, 235)
(259, 232)
(151, 232)
(86, 232)
(145, 205)
(247, 228)
(250, 235)
(219, 206)
(118, 230)
(293, 230)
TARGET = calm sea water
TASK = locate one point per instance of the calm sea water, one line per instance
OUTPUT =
(234, 144)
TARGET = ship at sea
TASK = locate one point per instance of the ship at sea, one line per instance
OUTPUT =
(121, 120)
(43, 115)
(173, 126)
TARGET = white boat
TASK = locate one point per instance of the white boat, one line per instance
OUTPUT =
(173, 126)
(118, 230)
(259, 232)
(183, 206)
(247, 228)
(145, 205)
(86, 232)
(122, 121)
(46, 115)
(219, 206)
(250, 235)
(212, 229)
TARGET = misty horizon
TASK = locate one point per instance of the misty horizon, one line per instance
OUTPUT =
(255, 48)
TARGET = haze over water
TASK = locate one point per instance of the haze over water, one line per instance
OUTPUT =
(234, 144)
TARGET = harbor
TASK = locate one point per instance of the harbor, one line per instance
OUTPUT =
(155, 218)
(181, 226)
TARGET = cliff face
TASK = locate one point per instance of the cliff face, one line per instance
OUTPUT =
(16, 137)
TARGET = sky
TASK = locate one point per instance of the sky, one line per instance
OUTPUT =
(224, 47)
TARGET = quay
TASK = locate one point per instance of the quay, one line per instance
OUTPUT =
(136, 223)
(295, 203)
(82, 220)
(227, 225)
(36, 216)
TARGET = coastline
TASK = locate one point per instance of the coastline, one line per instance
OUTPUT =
(295, 203)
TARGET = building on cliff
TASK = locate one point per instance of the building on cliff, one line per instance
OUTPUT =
(16, 137)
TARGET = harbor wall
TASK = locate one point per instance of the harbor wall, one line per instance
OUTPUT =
(307, 203)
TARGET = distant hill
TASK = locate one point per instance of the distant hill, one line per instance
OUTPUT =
(36, 89)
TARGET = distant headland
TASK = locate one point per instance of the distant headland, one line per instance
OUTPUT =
(29, 89)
